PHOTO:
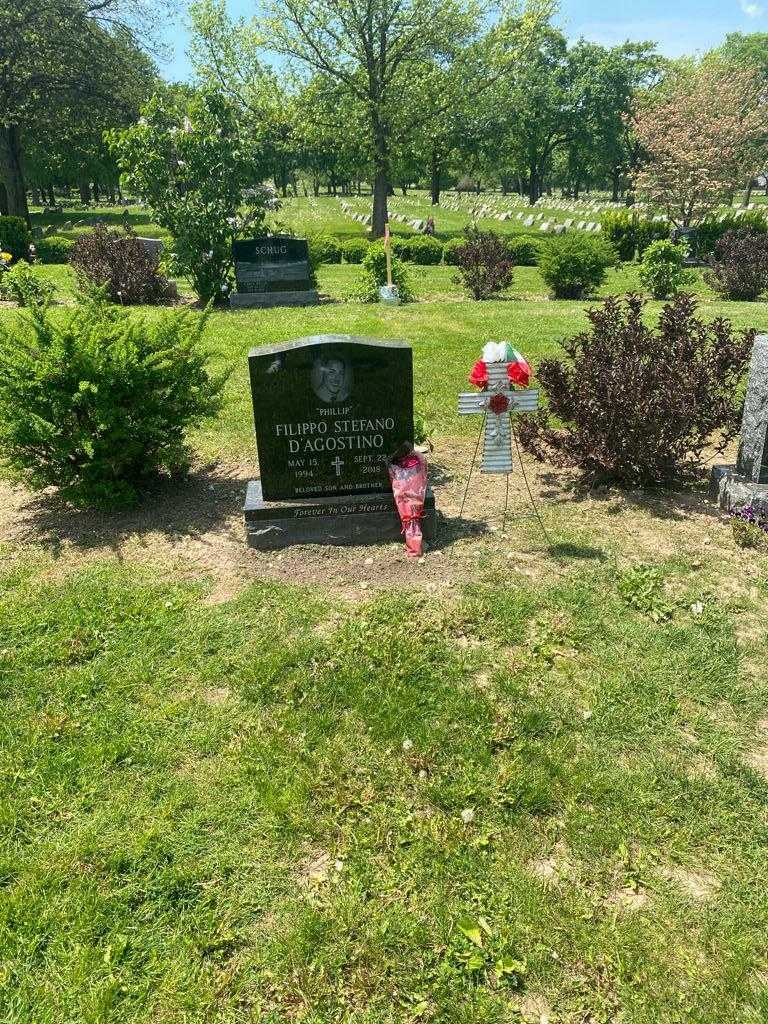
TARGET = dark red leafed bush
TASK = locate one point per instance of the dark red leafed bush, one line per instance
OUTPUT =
(484, 264)
(739, 267)
(637, 405)
(120, 261)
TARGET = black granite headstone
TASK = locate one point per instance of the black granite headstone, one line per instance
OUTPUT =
(272, 271)
(329, 412)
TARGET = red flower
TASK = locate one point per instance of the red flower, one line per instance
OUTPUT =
(519, 372)
(498, 404)
(479, 375)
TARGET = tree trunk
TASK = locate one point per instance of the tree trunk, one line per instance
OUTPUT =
(85, 191)
(380, 194)
(3, 200)
(616, 184)
(434, 174)
(381, 184)
(11, 172)
(748, 193)
(96, 192)
(533, 188)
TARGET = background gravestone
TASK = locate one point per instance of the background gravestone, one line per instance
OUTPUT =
(329, 411)
(153, 246)
(272, 271)
(746, 483)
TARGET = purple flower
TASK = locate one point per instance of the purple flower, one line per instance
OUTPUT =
(749, 514)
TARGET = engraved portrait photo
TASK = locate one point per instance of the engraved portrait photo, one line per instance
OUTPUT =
(332, 378)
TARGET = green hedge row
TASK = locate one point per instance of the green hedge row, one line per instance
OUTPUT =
(422, 250)
(630, 234)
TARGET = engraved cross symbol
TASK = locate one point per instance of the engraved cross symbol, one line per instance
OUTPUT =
(338, 463)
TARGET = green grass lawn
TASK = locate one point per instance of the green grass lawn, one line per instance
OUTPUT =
(446, 329)
(138, 217)
(527, 797)
(530, 786)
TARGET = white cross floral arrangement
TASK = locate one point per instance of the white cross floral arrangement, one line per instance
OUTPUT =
(518, 370)
(501, 369)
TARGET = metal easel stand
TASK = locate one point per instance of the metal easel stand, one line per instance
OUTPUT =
(534, 513)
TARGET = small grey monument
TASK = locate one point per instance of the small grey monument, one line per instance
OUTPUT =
(272, 271)
(746, 483)
(152, 246)
(329, 412)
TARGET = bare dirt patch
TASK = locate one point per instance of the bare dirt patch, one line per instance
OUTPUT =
(699, 885)
(194, 530)
(555, 868)
(535, 1009)
(217, 695)
(628, 899)
(758, 760)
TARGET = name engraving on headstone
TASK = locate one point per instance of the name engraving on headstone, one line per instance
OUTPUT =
(272, 270)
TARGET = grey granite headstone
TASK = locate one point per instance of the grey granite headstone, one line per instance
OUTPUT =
(753, 451)
(272, 271)
(746, 483)
(329, 412)
(153, 246)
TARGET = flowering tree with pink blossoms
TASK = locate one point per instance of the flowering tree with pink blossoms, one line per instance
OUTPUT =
(705, 135)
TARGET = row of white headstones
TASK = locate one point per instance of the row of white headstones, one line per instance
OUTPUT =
(366, 220)
(532, 220)
(538, 221)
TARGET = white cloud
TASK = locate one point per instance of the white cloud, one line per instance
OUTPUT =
(751, 10)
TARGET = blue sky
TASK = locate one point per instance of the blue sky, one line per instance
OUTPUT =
(678, 26)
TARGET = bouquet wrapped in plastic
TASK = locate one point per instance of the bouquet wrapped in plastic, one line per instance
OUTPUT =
(408, 473)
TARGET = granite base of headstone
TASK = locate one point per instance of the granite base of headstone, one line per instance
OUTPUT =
(329, 412)
(354, 519)
(272, 271)
(746, 483)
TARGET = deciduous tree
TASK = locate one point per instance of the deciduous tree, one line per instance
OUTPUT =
(379, 51)
(705, 133)
(197, 174)
(51, 50)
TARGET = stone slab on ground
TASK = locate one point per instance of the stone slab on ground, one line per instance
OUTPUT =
(264, 300)
(733, 491)
(354, 519)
